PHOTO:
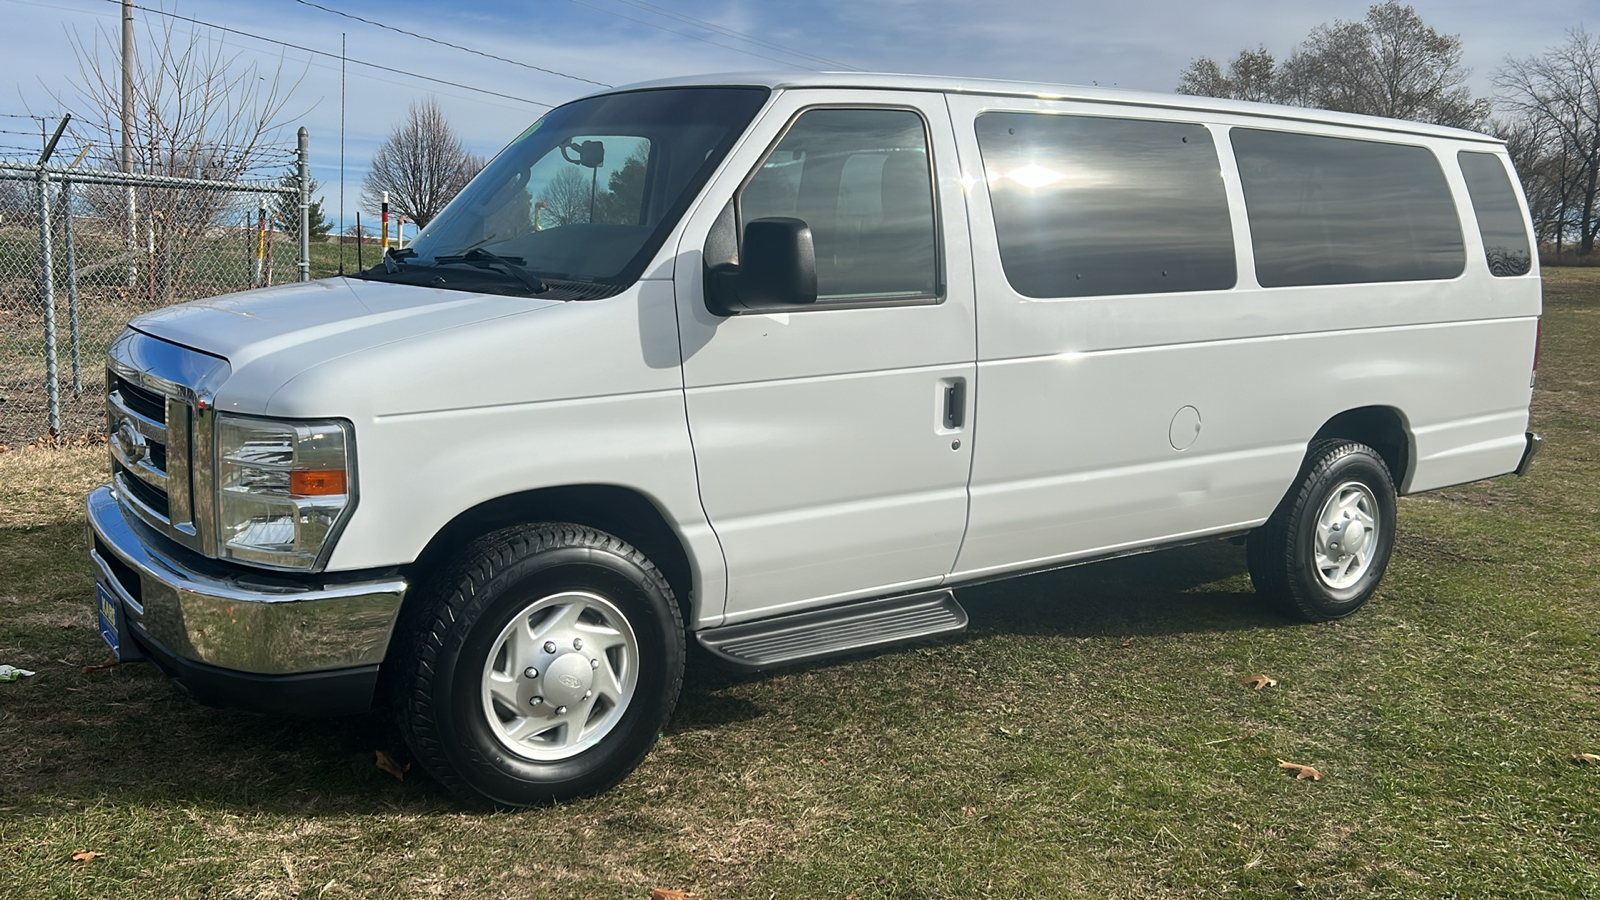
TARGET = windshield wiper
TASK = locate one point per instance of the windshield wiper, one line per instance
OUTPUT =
(511, 265)
(392, 257)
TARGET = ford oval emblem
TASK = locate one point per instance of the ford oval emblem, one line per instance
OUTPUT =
(570, 681)
(131, 442)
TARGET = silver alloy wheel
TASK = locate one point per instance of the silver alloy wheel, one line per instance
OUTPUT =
(560, 676)
(1347, 535)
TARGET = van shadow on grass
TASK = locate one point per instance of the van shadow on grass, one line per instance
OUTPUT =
(1201, 588)
(126, 736)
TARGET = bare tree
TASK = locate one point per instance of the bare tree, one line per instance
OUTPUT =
(200, 112)
(1388, 64)
(1251, 76)
(1556, 96)
(566, 197)
(421, 166)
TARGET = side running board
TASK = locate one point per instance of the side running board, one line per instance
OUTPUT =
(837, 630)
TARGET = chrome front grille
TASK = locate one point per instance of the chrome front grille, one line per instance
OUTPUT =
(149, 404)
(158, 409)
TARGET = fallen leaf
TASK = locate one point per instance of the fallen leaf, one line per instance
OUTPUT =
(111, 663)
(1586, 759)
(1260, 681)
(387, 763)
(83, 855)
(1126, 642)
(669, 894)
(1300, 771)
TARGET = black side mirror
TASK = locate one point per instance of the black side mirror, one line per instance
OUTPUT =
(777, 270)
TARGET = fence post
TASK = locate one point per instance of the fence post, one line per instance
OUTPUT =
(304, 167)
(47, 293)
(261, 240)
(72, 288)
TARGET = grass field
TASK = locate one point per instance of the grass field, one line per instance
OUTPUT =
(1089, 736)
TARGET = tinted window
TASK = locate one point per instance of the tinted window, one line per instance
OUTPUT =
(1086, 206)
(860, 179)
(1505, 237)
(1337, 211)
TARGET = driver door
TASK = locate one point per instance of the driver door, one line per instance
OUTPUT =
(833, 442)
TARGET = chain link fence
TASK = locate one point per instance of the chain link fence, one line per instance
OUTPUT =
(82, 252)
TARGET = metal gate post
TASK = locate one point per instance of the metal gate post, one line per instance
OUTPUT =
(72, 289)
(304, 170)
(47, 292)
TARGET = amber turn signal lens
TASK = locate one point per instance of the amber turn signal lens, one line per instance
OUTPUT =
(316, 482)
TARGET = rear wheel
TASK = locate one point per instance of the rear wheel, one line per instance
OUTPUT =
(547, 663)
(1325, 548)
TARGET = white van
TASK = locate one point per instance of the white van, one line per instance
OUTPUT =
(777, 362)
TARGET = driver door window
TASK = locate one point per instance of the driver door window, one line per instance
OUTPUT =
(860, 179)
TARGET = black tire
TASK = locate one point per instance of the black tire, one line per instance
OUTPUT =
(1283, 552)
(444, 700)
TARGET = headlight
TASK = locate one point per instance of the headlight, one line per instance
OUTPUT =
(283, 488)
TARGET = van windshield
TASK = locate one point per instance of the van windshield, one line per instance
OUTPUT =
(577, 205)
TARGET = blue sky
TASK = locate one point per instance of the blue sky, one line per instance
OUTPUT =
(1142, 45)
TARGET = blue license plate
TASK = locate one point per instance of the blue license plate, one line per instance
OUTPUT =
(110, 611)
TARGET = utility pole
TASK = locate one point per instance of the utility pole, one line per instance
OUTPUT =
(127, 124)
(127, 85)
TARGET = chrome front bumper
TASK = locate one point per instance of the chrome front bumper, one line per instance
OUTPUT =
(229, 618)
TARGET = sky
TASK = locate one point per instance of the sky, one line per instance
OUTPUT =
(1142, 45)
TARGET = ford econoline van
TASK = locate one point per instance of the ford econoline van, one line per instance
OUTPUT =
(774, 364)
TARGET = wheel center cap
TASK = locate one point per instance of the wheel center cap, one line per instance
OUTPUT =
(567, 679)
(1347, 538)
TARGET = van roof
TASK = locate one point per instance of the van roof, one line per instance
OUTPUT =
(1087, 94)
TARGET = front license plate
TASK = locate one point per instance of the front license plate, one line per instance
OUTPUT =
(110, 618)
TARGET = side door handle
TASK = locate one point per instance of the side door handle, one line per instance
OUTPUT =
(955, 404)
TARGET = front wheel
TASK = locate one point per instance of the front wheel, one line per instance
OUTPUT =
(545, 667)
(1325, 548)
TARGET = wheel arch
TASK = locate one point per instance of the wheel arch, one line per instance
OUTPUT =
(1384, 429)
(621, 511)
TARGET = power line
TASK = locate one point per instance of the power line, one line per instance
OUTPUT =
(612, 12)
(737, 35)
(448, 44)
(359, 62)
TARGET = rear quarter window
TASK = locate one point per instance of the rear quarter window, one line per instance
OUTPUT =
(1500, 222)
(1327, 210)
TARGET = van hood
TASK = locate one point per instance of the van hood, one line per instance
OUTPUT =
(271, 335)
(320, 320)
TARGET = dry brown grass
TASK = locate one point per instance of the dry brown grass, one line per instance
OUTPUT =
(42, 486)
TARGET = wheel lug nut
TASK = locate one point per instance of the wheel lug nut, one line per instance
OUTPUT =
(594, 663)
(535, 701)
(561, 710)
(530, 672)
(549, 646)
(577, 643)
(588, 694)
